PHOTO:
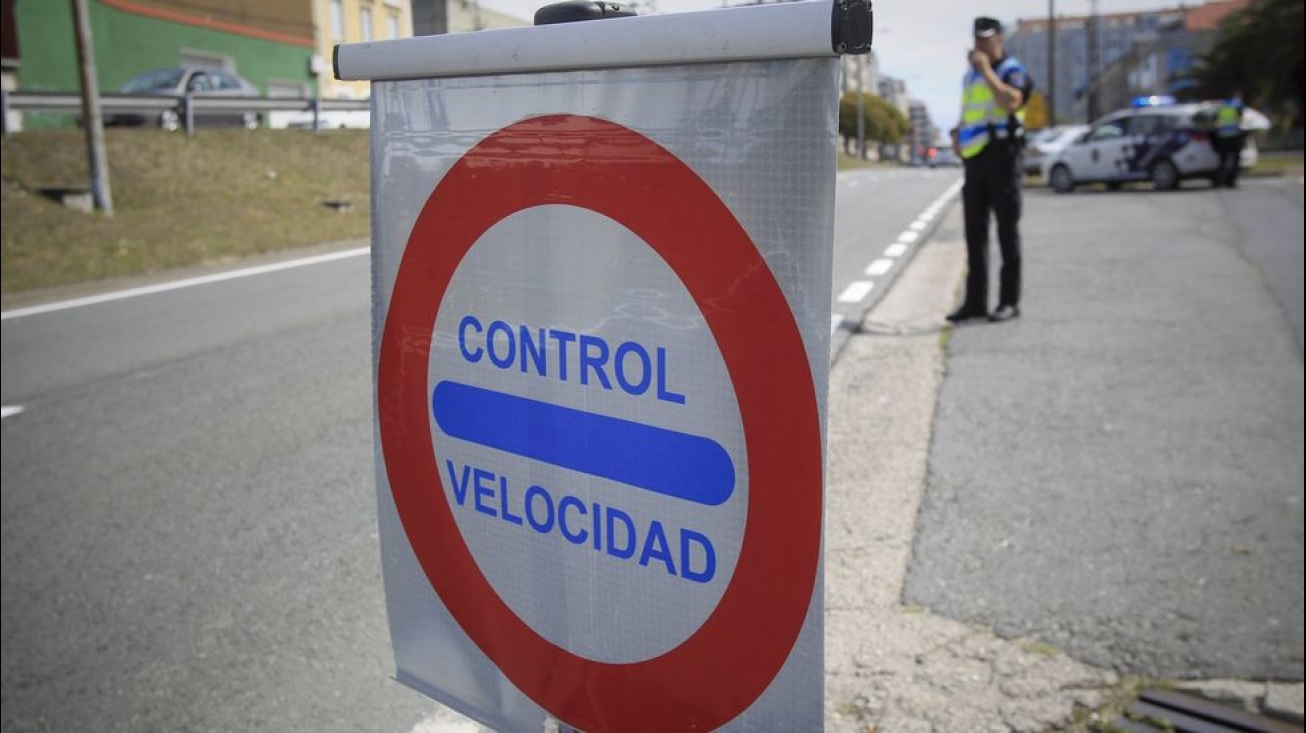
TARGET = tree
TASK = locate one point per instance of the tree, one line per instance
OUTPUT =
(1259, 51)
(883, 122)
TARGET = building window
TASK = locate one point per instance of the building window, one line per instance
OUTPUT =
(393, 23)
(337, 21)
(207, 59)
(365, 18)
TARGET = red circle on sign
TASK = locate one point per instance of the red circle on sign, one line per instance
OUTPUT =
(720, 669)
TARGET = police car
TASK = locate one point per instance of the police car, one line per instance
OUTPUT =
(1154, 140)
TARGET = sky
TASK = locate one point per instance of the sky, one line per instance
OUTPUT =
(922, 42)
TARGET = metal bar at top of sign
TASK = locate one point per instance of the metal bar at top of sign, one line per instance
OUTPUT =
(810, 28)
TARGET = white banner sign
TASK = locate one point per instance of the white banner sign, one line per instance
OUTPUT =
(602, 306)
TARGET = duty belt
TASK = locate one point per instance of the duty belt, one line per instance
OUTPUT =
(1002, 133)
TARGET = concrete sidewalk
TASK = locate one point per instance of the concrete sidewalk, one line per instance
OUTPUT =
(935, 661)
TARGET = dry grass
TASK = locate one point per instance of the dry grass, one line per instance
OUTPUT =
(218, 195)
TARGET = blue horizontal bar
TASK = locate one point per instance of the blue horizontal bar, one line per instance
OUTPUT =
(663, 461)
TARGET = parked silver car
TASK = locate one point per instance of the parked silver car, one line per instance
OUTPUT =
(942, 157)
(179, 81)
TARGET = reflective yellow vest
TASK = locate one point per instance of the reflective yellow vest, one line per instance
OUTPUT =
(1226, 120)
(980, 112)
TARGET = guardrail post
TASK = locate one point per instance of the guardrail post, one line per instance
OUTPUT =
(4, 111)
(317, 114)
(188, 112)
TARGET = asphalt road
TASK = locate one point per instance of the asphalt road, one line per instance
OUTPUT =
(189, 531)
(1269, 222)
(1119, 472)
(188, 513)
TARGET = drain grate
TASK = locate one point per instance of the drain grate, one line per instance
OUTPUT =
(1165, 711)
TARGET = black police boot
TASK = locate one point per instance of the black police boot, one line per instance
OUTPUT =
(1005, 313)
(967, 312)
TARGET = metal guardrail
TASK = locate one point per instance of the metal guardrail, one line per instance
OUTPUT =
(186, 106)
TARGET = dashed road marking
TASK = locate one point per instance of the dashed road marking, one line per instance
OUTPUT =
(879, 267)
(444, 724)
(856, 291)
(10, 411)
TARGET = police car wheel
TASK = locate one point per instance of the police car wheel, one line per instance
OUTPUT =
(1061, 179)
(1165, 176)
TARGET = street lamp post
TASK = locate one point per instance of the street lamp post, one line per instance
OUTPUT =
(1052, 63)
(1094, 39)
(861, 107)
(99, 162)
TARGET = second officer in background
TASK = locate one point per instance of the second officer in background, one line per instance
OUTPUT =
(989, 140)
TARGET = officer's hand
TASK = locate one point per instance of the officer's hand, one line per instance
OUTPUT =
(978, 59)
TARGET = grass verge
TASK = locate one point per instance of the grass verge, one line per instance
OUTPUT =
(851, 162)
(1289, 164)
(1102, 719)
(178, 200)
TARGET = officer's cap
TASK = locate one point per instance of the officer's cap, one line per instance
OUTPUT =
(985, 27)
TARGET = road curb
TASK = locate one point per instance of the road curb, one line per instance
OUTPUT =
(847, 326)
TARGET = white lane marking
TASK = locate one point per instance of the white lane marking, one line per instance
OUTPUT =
(10, 411)
(441, 724)
(856, 291)
(919, 225)
(948, 194)
(179, 284)
(879, 267)
(835, 320)
(945, 199)
(909, 237)
(895, 250)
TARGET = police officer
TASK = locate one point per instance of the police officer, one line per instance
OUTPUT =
(1229, 140)
(990, 139)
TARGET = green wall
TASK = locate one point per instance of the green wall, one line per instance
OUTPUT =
(127, 44)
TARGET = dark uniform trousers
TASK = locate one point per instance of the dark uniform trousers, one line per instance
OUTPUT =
(1230, 151)
(993, 181)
